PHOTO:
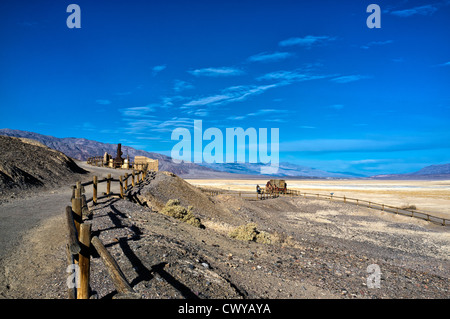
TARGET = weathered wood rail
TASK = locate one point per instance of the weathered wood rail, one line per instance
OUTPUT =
(428, 216)
(81, 244)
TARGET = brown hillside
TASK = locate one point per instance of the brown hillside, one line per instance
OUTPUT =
(25, 165)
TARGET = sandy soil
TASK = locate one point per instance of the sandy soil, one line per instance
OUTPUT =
(427, 196)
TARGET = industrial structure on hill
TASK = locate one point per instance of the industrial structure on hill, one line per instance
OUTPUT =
(140, 162)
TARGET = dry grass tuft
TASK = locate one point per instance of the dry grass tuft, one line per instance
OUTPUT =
(248, 232)
(174, 209)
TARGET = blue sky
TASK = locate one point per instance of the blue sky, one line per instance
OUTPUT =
(344, 97)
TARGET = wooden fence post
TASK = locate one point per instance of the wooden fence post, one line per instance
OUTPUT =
(73, 245)
(132, 178)
(121, 186)
(71, 290)
(108, 186)
(77, 209)
(94, 188)
(126, 181)
(84, 206)
(84, 261)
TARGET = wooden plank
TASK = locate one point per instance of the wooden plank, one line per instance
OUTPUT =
(74, 246)
(84, 261)
(117, 276)
(87, 183)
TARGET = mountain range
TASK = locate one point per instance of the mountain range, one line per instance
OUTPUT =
(285, 169)
(441, 171)
(81, 149)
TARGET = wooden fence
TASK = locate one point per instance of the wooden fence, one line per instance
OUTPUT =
(369, 204)
(80, 243)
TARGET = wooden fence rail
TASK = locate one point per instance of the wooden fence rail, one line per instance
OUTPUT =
(80, 243)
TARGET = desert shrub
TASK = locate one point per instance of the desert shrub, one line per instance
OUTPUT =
(174, 209)
(248, 232)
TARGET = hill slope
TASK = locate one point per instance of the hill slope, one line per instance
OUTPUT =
(27, 164)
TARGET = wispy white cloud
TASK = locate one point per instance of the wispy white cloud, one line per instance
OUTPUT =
(349, 78)
(445, 64)
(426, 10)
(269, 57)
(216, 72)
(146, 126)
(103, 102)
(214, 99)
(158, 68)
(242, 92)
(231, 94)
(201, 112)
(306, 41)
(180, 85)
(237, 118)
(264, 113)
(138, 111)
(291, 76)
(376, 43)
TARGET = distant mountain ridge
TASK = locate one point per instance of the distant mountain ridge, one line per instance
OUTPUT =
(441, 171)
(81, 149)
(434, 170)
(285, 169)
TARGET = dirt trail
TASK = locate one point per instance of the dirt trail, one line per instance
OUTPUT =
(28, 210)
(29, 222)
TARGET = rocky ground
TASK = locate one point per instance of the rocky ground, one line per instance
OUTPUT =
(317, 249)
